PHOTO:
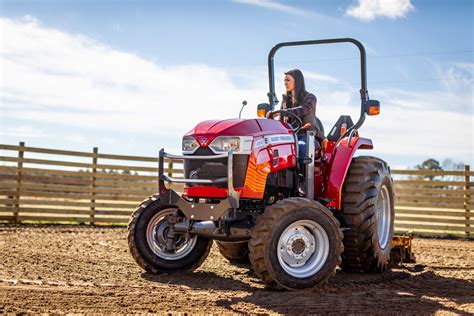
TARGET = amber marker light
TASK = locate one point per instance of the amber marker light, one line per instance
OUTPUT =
(372, 107)
(261, 112)
(374, 110)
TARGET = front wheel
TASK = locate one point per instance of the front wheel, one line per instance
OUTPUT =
(147, 231)
(296, 243)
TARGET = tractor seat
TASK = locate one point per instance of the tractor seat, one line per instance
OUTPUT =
(319, 138)
(335, 132)
(320, 127)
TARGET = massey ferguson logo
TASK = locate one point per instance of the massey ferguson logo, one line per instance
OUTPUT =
(203, 141)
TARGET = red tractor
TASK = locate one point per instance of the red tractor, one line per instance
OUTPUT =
(295, 216)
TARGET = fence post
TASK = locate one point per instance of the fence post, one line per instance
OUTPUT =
(170, 168)
(467, 197)
(93, 185)
(19, 172)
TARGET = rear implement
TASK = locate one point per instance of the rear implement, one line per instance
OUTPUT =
(402, 250)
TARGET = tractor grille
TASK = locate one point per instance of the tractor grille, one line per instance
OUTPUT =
(204, 169)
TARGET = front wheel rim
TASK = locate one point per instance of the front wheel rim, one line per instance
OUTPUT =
(303, 248)
(383, 214)
(156, 238)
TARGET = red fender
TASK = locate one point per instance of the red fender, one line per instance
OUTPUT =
(341, 160)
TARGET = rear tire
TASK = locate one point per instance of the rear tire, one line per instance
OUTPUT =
(296, 243)
(235, 252)
(368, 210)
(147, 238)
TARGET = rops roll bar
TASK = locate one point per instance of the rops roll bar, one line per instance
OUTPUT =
(363, 74)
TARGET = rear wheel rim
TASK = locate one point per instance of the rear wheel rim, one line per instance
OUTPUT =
(156, 238)
(303, 248)
(383, 217)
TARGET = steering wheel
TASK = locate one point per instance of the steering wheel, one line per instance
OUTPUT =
(283, 113)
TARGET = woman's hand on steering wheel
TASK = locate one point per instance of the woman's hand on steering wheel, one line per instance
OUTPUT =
(284, 113)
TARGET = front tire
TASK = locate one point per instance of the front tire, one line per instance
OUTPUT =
(368, 210)
(296, 243)
(147, 238)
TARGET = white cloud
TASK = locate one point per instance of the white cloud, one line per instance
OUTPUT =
(76, 138)
(274, 5)
(71, 80)
(319, 77)
(23, 131)
(456, 77)
(60, 78)
(427, 124)
(417, 132)
(369, 10)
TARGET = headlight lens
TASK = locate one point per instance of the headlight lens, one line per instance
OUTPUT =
(225, 144)
(189, 144)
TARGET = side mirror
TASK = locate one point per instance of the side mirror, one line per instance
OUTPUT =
(263, 109)
(372, 107)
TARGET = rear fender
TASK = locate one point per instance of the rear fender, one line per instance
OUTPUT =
(341, 160)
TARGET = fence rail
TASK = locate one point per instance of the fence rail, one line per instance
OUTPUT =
(40, 184)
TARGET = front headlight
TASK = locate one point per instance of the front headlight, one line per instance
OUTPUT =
(238, 144)
(189, 144)
(225, 144)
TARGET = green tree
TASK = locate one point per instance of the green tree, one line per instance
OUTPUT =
(429, 164)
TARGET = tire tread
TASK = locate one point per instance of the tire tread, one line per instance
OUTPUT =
(358, 207)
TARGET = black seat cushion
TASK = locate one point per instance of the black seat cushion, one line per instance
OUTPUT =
(335, 132)
(319, 130)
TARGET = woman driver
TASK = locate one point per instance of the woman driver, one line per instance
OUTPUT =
(301, 103)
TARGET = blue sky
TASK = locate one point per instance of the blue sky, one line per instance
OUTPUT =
(133, 76)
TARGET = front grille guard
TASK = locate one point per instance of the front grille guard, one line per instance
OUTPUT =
(198, 211)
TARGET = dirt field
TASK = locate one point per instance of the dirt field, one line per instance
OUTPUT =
(73, 269)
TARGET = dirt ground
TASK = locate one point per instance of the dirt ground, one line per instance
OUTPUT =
(77, 269)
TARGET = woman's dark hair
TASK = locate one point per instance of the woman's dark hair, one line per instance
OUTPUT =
(300, 90)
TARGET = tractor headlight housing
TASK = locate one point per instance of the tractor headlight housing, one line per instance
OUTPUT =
(225, 144)
(238, 144)
(189, 145)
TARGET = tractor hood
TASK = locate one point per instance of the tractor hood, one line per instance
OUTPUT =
(208, 130)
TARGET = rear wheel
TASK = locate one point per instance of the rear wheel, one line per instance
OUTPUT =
(235, 252)
(147, 231)
(296, 243)
(368, 209)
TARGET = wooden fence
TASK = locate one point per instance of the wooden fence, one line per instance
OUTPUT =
(92, 187)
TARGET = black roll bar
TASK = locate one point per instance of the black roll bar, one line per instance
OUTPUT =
(363, 73)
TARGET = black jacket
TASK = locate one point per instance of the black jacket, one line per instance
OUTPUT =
(306, 111)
